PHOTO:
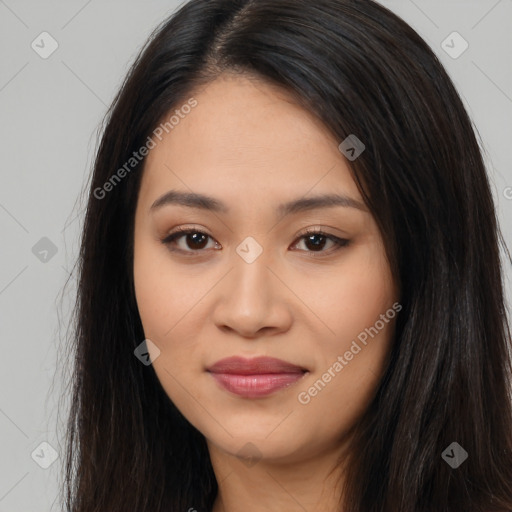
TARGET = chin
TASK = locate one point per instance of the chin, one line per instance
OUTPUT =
(255, 445)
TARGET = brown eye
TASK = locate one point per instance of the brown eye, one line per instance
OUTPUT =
(196, 240)
(316, 241)
(193, 240)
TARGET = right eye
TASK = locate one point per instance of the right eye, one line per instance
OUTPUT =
(194, 241)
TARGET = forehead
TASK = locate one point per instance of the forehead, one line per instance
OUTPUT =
(247, 136)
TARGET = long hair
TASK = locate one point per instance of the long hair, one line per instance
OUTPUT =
(361, 70)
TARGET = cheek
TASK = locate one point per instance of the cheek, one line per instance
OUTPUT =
(164, 295)
(351, 306)
(366, 293)
(163, 312)
(169, 302)
(150, 292)
(351, 298)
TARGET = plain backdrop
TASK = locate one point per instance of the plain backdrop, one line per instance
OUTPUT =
(51, 109)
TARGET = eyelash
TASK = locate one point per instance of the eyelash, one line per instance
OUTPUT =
(170, 239)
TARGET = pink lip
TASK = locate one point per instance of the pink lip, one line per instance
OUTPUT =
(258, 377)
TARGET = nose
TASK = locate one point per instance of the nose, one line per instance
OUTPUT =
(252, 301)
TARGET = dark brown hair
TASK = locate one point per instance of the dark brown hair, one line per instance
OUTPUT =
(361, 70)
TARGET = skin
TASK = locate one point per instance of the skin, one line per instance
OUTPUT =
(247, 144)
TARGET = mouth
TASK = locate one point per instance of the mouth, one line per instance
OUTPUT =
(254, 378)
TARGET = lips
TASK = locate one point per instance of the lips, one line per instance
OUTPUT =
(256, 366)
(255, 378)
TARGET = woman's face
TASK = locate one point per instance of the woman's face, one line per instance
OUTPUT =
(250, 282)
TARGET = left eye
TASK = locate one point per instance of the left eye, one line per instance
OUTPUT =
(195, 241)
(318, 239)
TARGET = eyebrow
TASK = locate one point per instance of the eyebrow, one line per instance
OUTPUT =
(203, 202)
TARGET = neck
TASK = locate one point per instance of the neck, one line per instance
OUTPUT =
(290, 483)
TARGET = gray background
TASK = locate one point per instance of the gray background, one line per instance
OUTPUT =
(50, 113)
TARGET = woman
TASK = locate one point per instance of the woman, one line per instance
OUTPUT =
(290, 288)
